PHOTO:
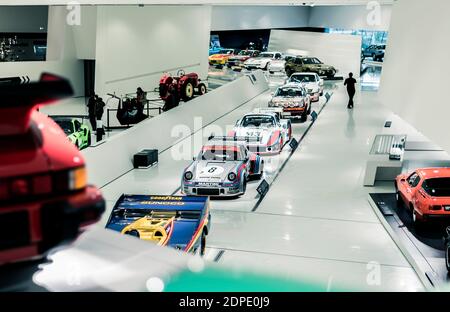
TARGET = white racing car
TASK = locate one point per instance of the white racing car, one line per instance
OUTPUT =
(312, 83)
(262, 61)
(277, 66)
(222, 168)
(294, 100)
(269, 132)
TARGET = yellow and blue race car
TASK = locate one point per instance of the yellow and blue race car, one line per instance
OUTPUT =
(181, 222)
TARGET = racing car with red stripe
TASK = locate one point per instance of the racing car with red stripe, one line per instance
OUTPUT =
(269, 132)
(222, 168)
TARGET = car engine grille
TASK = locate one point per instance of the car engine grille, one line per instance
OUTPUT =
(208, 191)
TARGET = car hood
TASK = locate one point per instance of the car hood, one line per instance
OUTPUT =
(255, 132)
(240, 57)
(258, 59)
(218, 56)
(288, 100)
(214, 171)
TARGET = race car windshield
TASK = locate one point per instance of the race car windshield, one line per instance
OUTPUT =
(438, 187)
(270, 55)
(302, 78)
(226, 52)
(245, 53)
(220, 154)
(258, 121)
(66, 125)
(311, 61)
(288, 92)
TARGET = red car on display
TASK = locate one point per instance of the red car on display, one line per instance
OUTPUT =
(426, 192)
(183, 86)
(44, 196)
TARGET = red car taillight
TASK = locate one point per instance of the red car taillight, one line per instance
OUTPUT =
(24, 188)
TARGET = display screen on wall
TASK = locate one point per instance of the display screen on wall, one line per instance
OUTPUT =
(23, 47)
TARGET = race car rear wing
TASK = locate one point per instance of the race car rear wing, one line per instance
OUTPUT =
(246, 139)
(19, 99)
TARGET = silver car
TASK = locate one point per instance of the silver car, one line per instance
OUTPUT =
(222, 168)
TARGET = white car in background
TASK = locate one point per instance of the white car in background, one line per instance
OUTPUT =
(312, 83)
(262, 61)
(277, 66)
(264, 132)
(294, 100)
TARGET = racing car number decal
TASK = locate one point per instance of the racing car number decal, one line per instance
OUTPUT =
(211, 171)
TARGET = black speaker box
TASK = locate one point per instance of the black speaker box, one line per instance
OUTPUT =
(145, 158)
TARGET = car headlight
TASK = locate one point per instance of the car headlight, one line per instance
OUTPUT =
(188, 175)
(77, 179)
(232, 176)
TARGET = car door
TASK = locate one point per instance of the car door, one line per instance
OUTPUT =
(409, 186)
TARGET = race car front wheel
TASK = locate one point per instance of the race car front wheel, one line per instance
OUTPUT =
(203, 244)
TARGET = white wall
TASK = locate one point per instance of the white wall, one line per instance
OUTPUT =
(61, 56)
(155, 133)
(135, 45)
(415, 78)
(85, 34)
(341, 51)
(258, 17)
(351, 17)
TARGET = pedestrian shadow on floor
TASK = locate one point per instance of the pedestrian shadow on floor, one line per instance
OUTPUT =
(350, 128)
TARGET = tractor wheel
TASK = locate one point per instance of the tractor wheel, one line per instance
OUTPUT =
(89, 141)
(187, 91)
(202, 89)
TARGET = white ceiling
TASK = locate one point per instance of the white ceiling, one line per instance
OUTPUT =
(191, 2)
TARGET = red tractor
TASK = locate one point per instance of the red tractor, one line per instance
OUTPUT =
(184, 86)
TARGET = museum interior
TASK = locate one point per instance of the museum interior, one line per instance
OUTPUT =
(213, 145)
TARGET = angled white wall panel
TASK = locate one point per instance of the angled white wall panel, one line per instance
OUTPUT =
(135, 45)
(341, 51)
(415, 79)
(258, 17)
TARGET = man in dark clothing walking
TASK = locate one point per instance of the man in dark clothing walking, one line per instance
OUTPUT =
(351, 90)
(91, 111)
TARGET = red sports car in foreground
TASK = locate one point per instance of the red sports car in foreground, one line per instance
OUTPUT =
(44, 196)
(426, 192)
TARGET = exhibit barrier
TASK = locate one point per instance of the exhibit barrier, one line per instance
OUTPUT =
(155, 133)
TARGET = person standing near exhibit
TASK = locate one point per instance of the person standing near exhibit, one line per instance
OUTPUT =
(350, 82)
(91, 112)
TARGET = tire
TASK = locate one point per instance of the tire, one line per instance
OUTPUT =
(304, 117)
(447, 257)
(244, 186)
(267, 66)
(417, 220)
(259, 176)
(203, 244)
(271, 72)
(77, 144)
(309, 109)
(289, 72)
(187, 91)
(398, 199)
(374, 57)
(89, 140)
(321, 93)
(202, 89)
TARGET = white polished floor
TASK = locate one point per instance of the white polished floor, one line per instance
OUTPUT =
(315, 224)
